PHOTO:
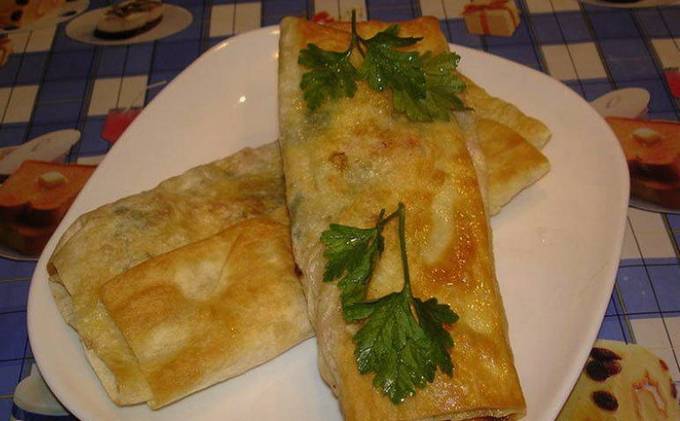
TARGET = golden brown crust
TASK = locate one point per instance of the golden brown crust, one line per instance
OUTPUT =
(475, 97)
(108, 241)
(492, 108)
(512, 163)
(426, 166)
(210, 310)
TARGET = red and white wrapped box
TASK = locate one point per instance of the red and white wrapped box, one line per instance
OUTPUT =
(491, 17)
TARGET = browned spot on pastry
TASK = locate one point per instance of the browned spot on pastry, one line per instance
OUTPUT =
(298, 271)
(604, 354)
(663, 364)
(605, 400)
(674, 390)
(339, 160)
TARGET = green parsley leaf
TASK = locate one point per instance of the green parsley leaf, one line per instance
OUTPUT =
(332, 75)
(432, 317)
(351, 253)
(442, 89)
(390, 36)
(385, 67)
(403, 339)
(392, 345)
(424, 87)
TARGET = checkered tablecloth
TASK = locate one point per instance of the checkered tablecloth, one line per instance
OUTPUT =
(52, 82)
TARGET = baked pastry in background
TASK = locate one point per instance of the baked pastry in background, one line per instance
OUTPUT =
(128, 18)
(15, 14)
(652, 150)
(622, 382)
(34, 199)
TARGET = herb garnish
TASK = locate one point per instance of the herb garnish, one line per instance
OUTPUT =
(424, 87)
(403, 339)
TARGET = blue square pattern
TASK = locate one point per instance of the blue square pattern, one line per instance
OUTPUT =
(138, 59)
(547, 29)
(112, 61)
(62, 91)
(39, 130)
(628, 59)
(673, 222)
(612, 308)
(8, 72)
(32, 68)
(523, 54)
(672, 18)
(652, 23)
(274, 10)
(573, 27)
(665, 116)
(193, 31)
(12, 134)
(175, 56)
(614, 24)
(91, 142)
(575, 86)
(390, 10)
(63, 43)
(211, 42)
(187, 3)
(595, 88)
(10, 269)
(666, 281)
(611, 329)
(5, 408)
(63, 112)
(12, 335)
(636, 291)
(158, 77)
(520, 36)
(69, 65)
(13, 295)
(660, 100)
(458, 34)
(9, 376)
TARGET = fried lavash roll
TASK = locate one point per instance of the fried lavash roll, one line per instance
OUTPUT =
(210, 310)
(108, 241)
(342, 164)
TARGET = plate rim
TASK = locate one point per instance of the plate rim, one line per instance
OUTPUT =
(576, 363)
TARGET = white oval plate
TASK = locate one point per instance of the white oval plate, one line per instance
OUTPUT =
(557, 245)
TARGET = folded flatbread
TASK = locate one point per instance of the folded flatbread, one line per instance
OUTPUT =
(345, 162)
(110, 240)
(512, 163)
(199, 204)
(504, 142)
(245, 185)
(210, 310)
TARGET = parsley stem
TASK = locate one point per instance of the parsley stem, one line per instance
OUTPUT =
(356, 39)
(383, 221)
(402, 245)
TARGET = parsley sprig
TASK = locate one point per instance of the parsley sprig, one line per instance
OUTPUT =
(424, 87)
(403, 340)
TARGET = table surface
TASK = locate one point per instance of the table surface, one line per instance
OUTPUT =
(52, 82)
